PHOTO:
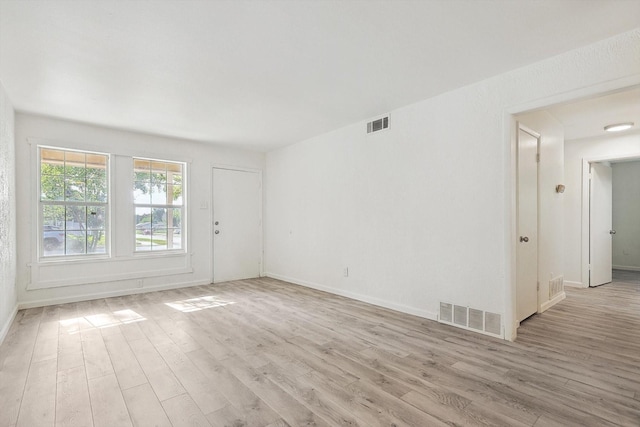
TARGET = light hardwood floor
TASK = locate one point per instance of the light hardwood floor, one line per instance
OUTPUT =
(267, 353)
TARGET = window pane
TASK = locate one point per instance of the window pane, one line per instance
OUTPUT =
(159, 239)
(176, 214)
(96, 241)
(74, 190)
(47, 168)
(51, 162)
(76, 217)
(74, 165)
(96, 217)
(174, 194)
(159, 168)
(75, 243)
(96, 190)
(52, 187)
(53, 230)
(175, 239)
(53, 215)
(142, 192)
(159, 194)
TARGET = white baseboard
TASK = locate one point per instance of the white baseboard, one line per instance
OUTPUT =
(118, 293)
(364, 298)
(553, 301)
(626, 267)
(575, 284)
(7, 325)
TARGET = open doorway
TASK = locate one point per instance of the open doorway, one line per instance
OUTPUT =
(613, 214)
(586, 144)
(564, 221)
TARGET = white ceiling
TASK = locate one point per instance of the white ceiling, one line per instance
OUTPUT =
(264, 74)
(587, 118)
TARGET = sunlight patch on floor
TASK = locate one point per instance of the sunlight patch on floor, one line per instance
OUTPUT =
(102, 320)
(197, 304)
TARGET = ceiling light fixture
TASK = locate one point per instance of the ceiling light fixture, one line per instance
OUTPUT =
(618, 127)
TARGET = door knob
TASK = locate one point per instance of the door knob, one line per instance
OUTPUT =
(216, 223)
(524, 239)
(217, 231)
(612, 231)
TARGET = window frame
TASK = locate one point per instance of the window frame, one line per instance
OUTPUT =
(182, 208)
(40, 203)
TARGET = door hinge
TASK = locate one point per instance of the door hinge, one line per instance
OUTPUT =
(537, 157)
(538, 286)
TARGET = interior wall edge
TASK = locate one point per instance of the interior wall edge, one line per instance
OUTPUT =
(7, 325)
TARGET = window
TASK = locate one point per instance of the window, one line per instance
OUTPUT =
(158, 189)
(74, 195)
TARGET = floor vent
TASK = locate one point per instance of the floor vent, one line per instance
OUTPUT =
(556, 286)
(378, 125)
(471, 318)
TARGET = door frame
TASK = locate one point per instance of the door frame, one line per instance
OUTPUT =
(538, 137)
(212, 205)
(586, 202)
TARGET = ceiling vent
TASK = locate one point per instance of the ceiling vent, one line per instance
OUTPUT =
(378, 125)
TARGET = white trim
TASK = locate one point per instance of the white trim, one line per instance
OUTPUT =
(78, 281)
(5, 328)
(99, 295)
(574, 284)
(553, 301)
(626, 267)
(364, 298)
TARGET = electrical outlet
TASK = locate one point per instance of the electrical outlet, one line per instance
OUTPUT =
(345, 272)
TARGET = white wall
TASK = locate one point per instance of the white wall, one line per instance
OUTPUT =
(626, 215)
(615, 146)
(43, 282)
(8, 296)
(550, 203)
(421, 213)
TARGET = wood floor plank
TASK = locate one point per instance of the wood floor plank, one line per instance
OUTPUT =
(144, 407)
(162, 379)
(124, 362)
(39, 399)
(183, 411)
(107, 403)
(73, 406)
(96, 357)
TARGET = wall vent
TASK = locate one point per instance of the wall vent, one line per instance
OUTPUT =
(471, 319)
(476, 319)
(556, 286)
(446, 312)
(492, 323)
(460, 315)
(378, 125)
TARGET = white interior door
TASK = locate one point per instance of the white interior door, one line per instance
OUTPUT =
(600, 222)
(237, 224)
(527, 224)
